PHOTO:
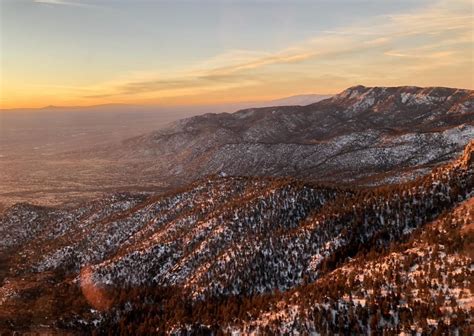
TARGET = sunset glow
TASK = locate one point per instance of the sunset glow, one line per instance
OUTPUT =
(56, 52)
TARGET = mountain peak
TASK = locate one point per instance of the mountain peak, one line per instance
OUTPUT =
(361, 98)
(354, 90)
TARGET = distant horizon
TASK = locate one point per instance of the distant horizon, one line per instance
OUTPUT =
(95, 52)
(223, 103)
(163, 105)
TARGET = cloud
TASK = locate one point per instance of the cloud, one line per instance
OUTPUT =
(51, 2)
(178, 85)
(347, 32)
(378, 41)
(287, 56)
(435, 55)
(416, 44)
(64, 3)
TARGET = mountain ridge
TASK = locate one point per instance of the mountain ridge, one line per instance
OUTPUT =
(335, 140)
(378, 122)
(283, 220)
(220, 238)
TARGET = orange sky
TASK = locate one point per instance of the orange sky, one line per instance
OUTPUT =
(88, 52)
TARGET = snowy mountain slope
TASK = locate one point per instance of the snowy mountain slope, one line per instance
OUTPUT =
(360, 135)
(420, 282)
(219, 239)
(289, 222)
(423, 285)
(368, 136)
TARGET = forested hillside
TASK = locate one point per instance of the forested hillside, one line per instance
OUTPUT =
(241, 253)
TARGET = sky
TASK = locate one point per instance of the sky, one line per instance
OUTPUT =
(88, 52)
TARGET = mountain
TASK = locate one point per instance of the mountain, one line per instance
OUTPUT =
(349, 215)
(366, 136)
(411, 287)
(32, 138)
(362, 135)
(249, 254)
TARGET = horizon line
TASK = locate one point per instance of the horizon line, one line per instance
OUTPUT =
(46, 107)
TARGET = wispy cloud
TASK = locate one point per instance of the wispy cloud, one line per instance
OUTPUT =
(427, 56)
(343, 32)
(65, 3)
(432, 44)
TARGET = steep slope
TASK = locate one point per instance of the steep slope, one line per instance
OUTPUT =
(218, 239)
(187, 220)
(366, 135)
(416, 280)
(369, 136)
(423, 285)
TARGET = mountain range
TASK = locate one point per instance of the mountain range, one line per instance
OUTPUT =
(362, 135)
(351, 215)
(33, 138)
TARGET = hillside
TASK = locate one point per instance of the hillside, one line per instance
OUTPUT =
(231, 253)
(422, 285)
(33, 138)
(363, 135)
(366, 136)
(323, 218)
